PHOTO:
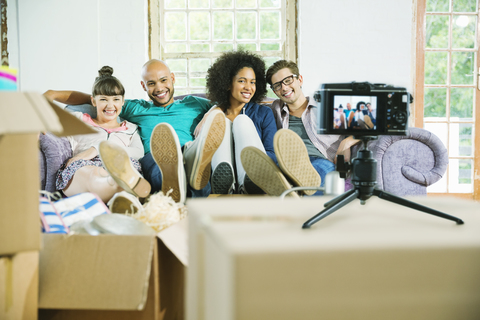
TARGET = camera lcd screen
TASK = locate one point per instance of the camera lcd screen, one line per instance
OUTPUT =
(354, 113)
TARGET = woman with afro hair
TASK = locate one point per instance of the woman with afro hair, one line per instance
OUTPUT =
(236, 84)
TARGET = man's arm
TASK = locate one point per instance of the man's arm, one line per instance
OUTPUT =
(68, 97)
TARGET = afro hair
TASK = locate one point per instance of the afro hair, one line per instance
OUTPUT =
(224, 69)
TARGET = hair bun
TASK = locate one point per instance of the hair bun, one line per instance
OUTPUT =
(105, 71)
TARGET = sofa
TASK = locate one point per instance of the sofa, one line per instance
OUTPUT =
(406, 165)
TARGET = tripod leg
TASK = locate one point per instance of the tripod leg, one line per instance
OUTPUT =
(349, 197)
(396, 199)
(338, 198)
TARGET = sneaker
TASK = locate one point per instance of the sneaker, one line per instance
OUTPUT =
(116, 161)
(198, 154)
(264, 172)
(292, 157)
(223, 180)
(249, 187)
(124, 202)
(167, 153)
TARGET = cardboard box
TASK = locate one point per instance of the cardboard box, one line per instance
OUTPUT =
(24, 116)
(251, 259)
(19, 286)
(109, 277)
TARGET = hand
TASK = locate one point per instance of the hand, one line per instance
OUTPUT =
(199, 126)
(344, 148)
(85, 155)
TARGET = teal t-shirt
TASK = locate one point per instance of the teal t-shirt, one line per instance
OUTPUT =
(183, 115)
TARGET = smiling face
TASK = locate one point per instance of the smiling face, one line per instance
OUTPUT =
(158, 83)
(243, 87)
(108, 107)
(291, 93)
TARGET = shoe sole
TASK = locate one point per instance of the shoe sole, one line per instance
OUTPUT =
(292, 157)
(123, 205)
(264, 172)
(222, 179)
(117, 163)
(164, 147)
(202, 168)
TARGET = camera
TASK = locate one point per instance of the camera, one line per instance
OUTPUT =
(362, 109)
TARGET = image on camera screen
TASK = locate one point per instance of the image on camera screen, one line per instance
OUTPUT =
(354, 112)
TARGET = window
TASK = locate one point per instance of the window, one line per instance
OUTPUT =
(447, 99)
(189, 34)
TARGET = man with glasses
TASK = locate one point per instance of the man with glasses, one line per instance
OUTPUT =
(315, 156)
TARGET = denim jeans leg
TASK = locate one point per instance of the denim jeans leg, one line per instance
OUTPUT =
(323, 166)
(202, 193)
(151, 172)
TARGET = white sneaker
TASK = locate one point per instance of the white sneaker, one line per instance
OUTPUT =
(198, 154)
(124, 202)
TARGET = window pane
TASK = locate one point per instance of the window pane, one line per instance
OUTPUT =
(223, 25)
(220, 47)
(435, 103)
(460, 175)
(462, 67)
(270, 3)
(199, 47)
(175, 26)
(269, 46)
(269, 61)
(464, 5)
(199, 65)
(200, 25)
(270, 25)
(198, 82)
(246, 25)
(463, 32)
(461, 103)
(438, 187)
(180, 82)
(176, 48)
(247, 46)
(437, 5)
(177, 65)
(438, 129)
(222, 4)
(436, 32)
(246, 4)
(180, 92)
(461, 138)
(175, 4)
(436, 67)
(198, 4)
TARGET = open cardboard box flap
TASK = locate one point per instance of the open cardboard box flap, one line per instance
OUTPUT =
(175, 239)
(31, 112)
(105, 272)
(24, 115)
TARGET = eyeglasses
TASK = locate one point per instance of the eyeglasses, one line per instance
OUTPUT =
(286, 81)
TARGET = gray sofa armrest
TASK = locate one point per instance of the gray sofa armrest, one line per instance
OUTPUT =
(406, 165)
(54, 151)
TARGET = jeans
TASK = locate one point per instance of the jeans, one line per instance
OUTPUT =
(323, 166)
(152, 173)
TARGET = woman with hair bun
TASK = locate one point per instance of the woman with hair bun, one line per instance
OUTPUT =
(105, 162)
(236, 85)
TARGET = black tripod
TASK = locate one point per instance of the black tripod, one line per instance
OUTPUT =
(364, 179)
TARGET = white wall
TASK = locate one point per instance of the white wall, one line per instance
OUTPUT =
(64, 43)
(350, 40)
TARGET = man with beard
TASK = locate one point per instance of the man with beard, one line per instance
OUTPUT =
(173, 160)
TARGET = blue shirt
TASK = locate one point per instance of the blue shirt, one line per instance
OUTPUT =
(264, 121)
(183, 115)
